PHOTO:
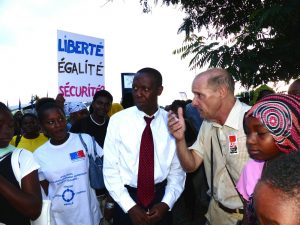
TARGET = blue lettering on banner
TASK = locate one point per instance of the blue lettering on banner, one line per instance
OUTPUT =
(80, 47)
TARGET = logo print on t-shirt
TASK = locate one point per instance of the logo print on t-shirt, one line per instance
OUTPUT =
(79, 155)
(232, 145)
(68, 195)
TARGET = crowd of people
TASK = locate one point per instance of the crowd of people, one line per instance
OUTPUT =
(213, 160)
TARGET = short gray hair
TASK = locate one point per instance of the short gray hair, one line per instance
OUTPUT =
(220, 77)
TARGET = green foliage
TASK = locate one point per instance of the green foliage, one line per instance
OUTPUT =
(256, 40)
(245, 96)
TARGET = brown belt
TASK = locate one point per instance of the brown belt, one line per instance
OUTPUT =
(228, 210)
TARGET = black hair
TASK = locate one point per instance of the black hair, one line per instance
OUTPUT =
(32, 115)
(155, 74)
(39, 103)
(47, 105)
(175, 105)
(188, 101)
(283, 174)
(127, 100)
(4, 107)
(103, 93)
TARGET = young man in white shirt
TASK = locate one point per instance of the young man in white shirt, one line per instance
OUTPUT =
(122, 155)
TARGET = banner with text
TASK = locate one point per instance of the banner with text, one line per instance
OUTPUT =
(80, 66)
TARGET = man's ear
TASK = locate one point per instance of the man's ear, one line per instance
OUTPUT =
(159, 90)
(223, 91)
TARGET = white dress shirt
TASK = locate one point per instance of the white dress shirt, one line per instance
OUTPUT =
(121, 156)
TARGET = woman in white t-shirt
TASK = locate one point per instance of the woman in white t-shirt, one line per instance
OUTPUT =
(17, 204)
(63, 170)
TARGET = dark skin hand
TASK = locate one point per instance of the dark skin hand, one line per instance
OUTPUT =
(108, 213)
(140, 217)
(27, 201)
(157, 212)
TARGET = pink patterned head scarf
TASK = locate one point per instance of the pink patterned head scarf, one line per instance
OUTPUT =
(280, 114)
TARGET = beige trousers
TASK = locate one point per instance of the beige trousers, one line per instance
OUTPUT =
(217, 216)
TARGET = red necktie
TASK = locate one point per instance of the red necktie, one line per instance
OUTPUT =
(145, 183)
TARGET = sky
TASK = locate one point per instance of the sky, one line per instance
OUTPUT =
(133, 40)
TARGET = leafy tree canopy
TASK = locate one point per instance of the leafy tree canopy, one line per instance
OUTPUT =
(256, 40)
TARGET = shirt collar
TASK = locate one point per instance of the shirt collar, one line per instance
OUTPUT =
(232, 119)
(234, 115)
(142, 114)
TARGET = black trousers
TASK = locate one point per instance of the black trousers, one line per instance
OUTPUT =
(121, 218)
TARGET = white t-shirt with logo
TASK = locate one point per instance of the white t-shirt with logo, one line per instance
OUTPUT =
(65, 167)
